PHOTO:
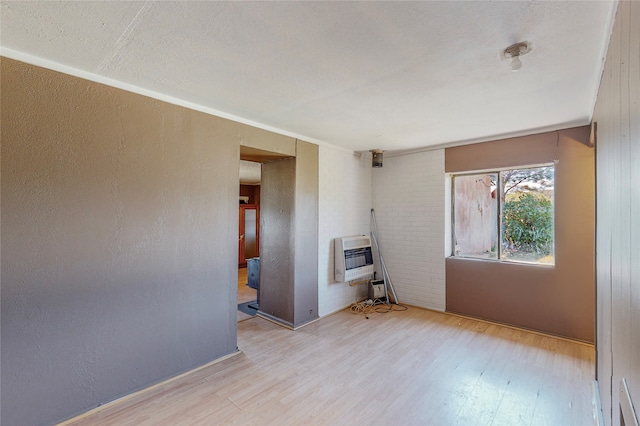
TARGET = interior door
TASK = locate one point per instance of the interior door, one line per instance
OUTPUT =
(249, 233)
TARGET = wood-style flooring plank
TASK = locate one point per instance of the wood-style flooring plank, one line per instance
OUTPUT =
(414, 367)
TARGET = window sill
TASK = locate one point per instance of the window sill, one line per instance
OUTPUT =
(503, 261)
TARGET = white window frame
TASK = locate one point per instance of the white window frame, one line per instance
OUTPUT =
(450, 246)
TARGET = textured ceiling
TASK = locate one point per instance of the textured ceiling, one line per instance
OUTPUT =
(360, 75)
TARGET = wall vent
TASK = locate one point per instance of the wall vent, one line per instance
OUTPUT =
(353, 258)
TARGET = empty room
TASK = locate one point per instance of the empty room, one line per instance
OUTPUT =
(321, 213)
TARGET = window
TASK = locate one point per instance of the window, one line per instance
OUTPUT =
(505, 215)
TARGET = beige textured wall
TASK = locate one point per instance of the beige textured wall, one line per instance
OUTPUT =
(559, 299)
(617, 113)
(267, 141)
(277, 240)
(306, 234)
(289, 238)
(119, 242)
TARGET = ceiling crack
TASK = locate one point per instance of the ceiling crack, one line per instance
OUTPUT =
(114, 57)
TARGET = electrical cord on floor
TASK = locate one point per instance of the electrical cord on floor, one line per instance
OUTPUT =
(369, 306)
(361, 308)
(391, 307)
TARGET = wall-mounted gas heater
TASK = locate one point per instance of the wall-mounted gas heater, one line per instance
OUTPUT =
(353, 258)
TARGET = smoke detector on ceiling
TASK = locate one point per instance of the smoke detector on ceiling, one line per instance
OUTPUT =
(514, 52)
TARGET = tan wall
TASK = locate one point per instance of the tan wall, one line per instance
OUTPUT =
(617, 113)
(119, 241)
(558, 299)
(266, 141)
(306, 234)
(289, 238)
(277, 257)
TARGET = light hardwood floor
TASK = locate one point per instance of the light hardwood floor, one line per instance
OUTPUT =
(415, 367)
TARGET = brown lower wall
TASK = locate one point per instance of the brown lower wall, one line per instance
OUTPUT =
(517, 294)
(556, 299)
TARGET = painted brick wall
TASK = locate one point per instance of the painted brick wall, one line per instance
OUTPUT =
(344, 210)
(408, 198)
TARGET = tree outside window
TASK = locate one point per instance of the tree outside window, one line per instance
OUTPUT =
(505, 215)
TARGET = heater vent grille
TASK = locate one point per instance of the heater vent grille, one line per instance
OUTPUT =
(353, 258)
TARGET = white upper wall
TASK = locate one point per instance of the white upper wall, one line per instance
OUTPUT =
(344, 210)
(409, 203)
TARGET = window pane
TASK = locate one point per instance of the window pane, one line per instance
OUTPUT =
(527, 214)
(476, 216)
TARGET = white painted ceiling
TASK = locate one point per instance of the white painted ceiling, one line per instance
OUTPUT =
(360, 75)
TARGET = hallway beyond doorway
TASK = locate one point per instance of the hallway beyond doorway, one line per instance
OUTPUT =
(245, 293)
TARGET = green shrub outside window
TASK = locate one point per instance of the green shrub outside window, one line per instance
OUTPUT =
(505, 215)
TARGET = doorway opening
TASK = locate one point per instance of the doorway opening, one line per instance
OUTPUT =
(288, 240)
(248, 239)
(249, 249)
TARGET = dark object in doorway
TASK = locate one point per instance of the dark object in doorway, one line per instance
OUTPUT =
(249, 308)
(253, 275)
